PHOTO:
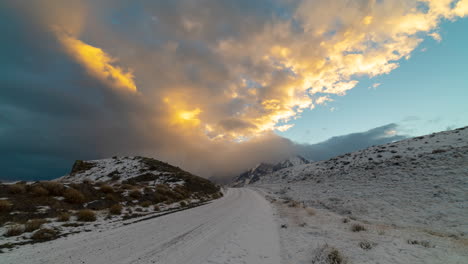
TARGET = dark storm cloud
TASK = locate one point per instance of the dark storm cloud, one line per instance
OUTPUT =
(351, 142)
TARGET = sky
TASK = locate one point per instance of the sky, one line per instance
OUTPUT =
(218, 86)
(426, 94)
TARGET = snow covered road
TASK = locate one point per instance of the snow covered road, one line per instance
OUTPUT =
(238, 228)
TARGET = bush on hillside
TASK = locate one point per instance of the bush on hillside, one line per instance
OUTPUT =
(86, 215)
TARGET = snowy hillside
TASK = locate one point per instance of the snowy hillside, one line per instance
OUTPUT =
(410, 197)
(105, 193)
(116, 169)
(253, 175)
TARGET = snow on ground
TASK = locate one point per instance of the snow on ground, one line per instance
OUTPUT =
(410, 196)
(238, 228)
(128, 167)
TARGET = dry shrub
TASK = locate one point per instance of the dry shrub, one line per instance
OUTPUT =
(366, 245)
(295, 204)
(86, 215)
(423, 243)
(107, 189)
(328, 255)
(217, 195)
(112, 197)
(115, 209)
(183, 204)
(146, 204)
(357, 228)
(33, 224)
(159, 198)
(73, 196)
(163, 189)
(63, 217)
(310, 211)
(126, 186)
(54, 188)
(156, 208)
(135, 194)
(5, 206)
(17, 188)
(39, 191)
(44, 234)
(15, 230)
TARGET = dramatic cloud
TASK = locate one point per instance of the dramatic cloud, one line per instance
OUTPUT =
(348, 143)
(202, 84)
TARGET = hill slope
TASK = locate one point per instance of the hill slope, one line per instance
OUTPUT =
(410, 196)
(104, 192)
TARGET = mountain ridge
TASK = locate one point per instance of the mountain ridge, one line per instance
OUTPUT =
(254, 174)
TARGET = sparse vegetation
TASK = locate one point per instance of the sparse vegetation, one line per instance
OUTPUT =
(146, 204)
(135, 194)
(39, 191)
(5, 206)
(14, 230)
(112, 197)
(357, 228)
(115, 209)
(106, 188)
(33, 224)
(366, 245)
(328, 255)
(294, 204)
(183, 204)
(423, 243)
(73, 196)
(86, 215)
(63, 217)
(44, 234)
(17, 188)
(54, 188)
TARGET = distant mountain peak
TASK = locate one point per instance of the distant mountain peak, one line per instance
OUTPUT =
(263, 168)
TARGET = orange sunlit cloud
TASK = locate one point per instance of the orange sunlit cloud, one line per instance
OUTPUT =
(98, 63)
(288, 72)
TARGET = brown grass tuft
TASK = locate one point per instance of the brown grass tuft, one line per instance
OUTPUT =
(146, 204)
(116, 209)
(135, 194)
(5, 206)
(33, 224)
(107, 189)
(86, 215)
(328, 255)
(44, 234)
(73, 196)
(39, 191)
(17, 188)
(54, 188)
(357, 228)
(63, 217)
(15, 230)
